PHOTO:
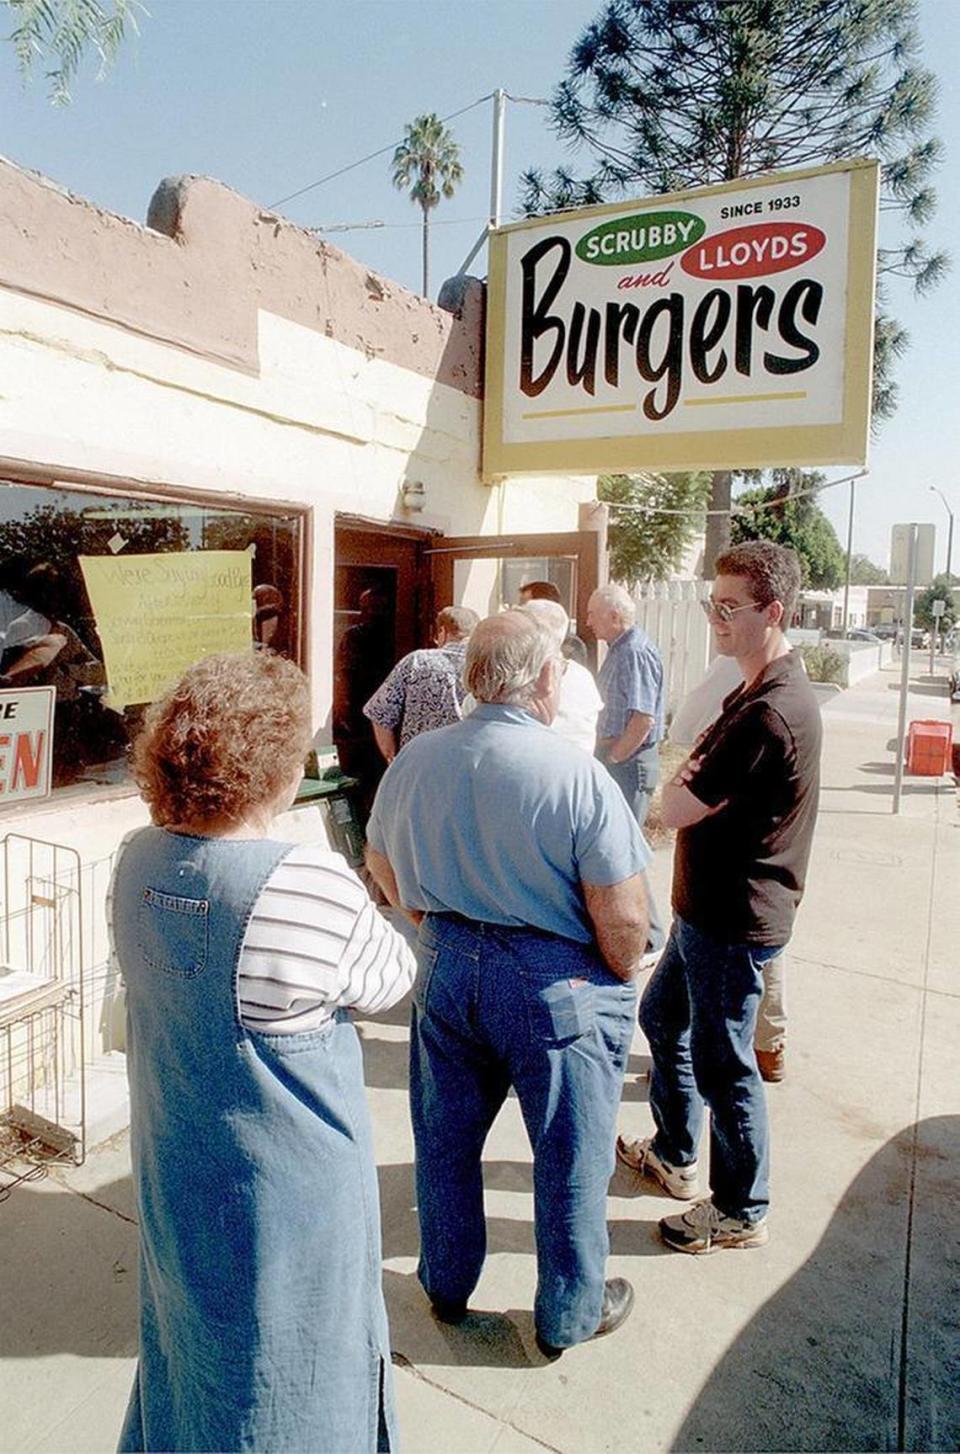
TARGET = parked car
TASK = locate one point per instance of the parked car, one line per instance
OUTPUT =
(885, 631)
(955, 673)
(860, 633)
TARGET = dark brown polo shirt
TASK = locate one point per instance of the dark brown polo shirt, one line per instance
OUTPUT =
(738, 875)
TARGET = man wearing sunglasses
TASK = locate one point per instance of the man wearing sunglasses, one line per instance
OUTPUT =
(744, 805)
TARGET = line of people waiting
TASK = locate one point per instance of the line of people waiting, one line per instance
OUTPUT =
(520, 860)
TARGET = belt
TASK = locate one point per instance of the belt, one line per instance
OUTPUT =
(486, 926)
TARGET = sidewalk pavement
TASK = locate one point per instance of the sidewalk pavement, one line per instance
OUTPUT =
(840, 1335)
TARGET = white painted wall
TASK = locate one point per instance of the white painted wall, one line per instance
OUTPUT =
(321, 425)
(862, 658)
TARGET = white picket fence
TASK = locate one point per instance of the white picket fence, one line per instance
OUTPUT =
(673, 618)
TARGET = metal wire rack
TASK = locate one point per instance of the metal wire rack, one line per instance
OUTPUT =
(42, 1051)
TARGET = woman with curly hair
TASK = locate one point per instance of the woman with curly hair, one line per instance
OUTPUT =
(262, 1323)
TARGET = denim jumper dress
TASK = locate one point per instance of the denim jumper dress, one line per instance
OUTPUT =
(262, 1322)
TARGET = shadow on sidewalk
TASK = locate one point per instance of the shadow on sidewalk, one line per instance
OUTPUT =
(924, 687)
(69, 1273)
(824, 1364)
(908, 789)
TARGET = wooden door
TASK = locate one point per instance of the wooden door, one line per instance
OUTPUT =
(378, 616)
(583, 549)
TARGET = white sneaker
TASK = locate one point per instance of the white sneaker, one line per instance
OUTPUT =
(704, 1229)
(637, 1152)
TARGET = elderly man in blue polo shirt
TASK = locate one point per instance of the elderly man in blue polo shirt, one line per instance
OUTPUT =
(519, 860)
(631, 685)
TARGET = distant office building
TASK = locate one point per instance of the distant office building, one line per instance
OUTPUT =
(823, 610)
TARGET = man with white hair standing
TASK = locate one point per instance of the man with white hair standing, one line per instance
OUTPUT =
(579, 706)
(522, 865)
(631, 685)
(579, 701)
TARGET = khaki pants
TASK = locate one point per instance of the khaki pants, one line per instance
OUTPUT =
(771, 1031)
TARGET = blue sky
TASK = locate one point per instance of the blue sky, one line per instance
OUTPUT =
(270, 95)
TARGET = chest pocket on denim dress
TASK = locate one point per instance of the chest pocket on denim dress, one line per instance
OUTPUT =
(173, 932)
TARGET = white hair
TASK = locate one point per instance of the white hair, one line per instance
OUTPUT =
(552, 615)
(505, 657)
(618, 599)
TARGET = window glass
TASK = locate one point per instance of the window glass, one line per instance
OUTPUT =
(558, 570)
(108, 598)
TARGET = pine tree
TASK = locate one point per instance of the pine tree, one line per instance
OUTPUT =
(668, 94)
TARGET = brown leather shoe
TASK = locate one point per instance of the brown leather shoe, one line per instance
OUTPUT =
(772, 1064)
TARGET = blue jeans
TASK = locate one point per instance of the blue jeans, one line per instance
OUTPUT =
(636, 778)
(699, 1014)
(495, 1007)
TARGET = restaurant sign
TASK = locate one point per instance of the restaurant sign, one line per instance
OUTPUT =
(724, 328)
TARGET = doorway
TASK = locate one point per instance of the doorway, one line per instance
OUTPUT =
(389, 583)
(381, 610)
(498, 565)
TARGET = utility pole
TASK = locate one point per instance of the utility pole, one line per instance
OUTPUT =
(496, 176)
(496, 163)
(905, 666)
(846, 584)
(943, 497)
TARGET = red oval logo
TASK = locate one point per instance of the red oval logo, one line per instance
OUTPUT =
(752, 252)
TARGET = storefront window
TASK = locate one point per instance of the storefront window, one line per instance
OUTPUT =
(108, 598)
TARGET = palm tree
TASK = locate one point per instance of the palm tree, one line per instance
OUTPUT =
(428, 162)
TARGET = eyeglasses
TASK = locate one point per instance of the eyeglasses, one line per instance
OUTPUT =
(720, 611)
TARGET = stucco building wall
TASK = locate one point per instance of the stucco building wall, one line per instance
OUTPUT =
(239, 357)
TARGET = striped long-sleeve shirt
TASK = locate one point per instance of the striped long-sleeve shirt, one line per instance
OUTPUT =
(314, 944)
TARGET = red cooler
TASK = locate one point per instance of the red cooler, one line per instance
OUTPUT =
(928, 748)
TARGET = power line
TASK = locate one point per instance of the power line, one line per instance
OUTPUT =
(392, 226)
(735, 509)
(341, 171)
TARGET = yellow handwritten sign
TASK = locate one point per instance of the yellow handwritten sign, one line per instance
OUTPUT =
(157, 614)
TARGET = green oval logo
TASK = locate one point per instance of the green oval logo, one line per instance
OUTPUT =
(640, 239)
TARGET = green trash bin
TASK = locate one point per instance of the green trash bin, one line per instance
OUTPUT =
(333, 790)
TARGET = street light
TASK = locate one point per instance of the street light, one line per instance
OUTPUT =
(943, 497)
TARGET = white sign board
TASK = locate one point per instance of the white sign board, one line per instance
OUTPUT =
(900, 554)
(26, 743)
(938, 608)
(728, 327)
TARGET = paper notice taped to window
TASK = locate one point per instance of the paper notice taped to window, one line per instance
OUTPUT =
(157, 614)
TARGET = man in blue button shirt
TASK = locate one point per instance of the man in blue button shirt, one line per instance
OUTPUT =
(519, 860)
(631, 685)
